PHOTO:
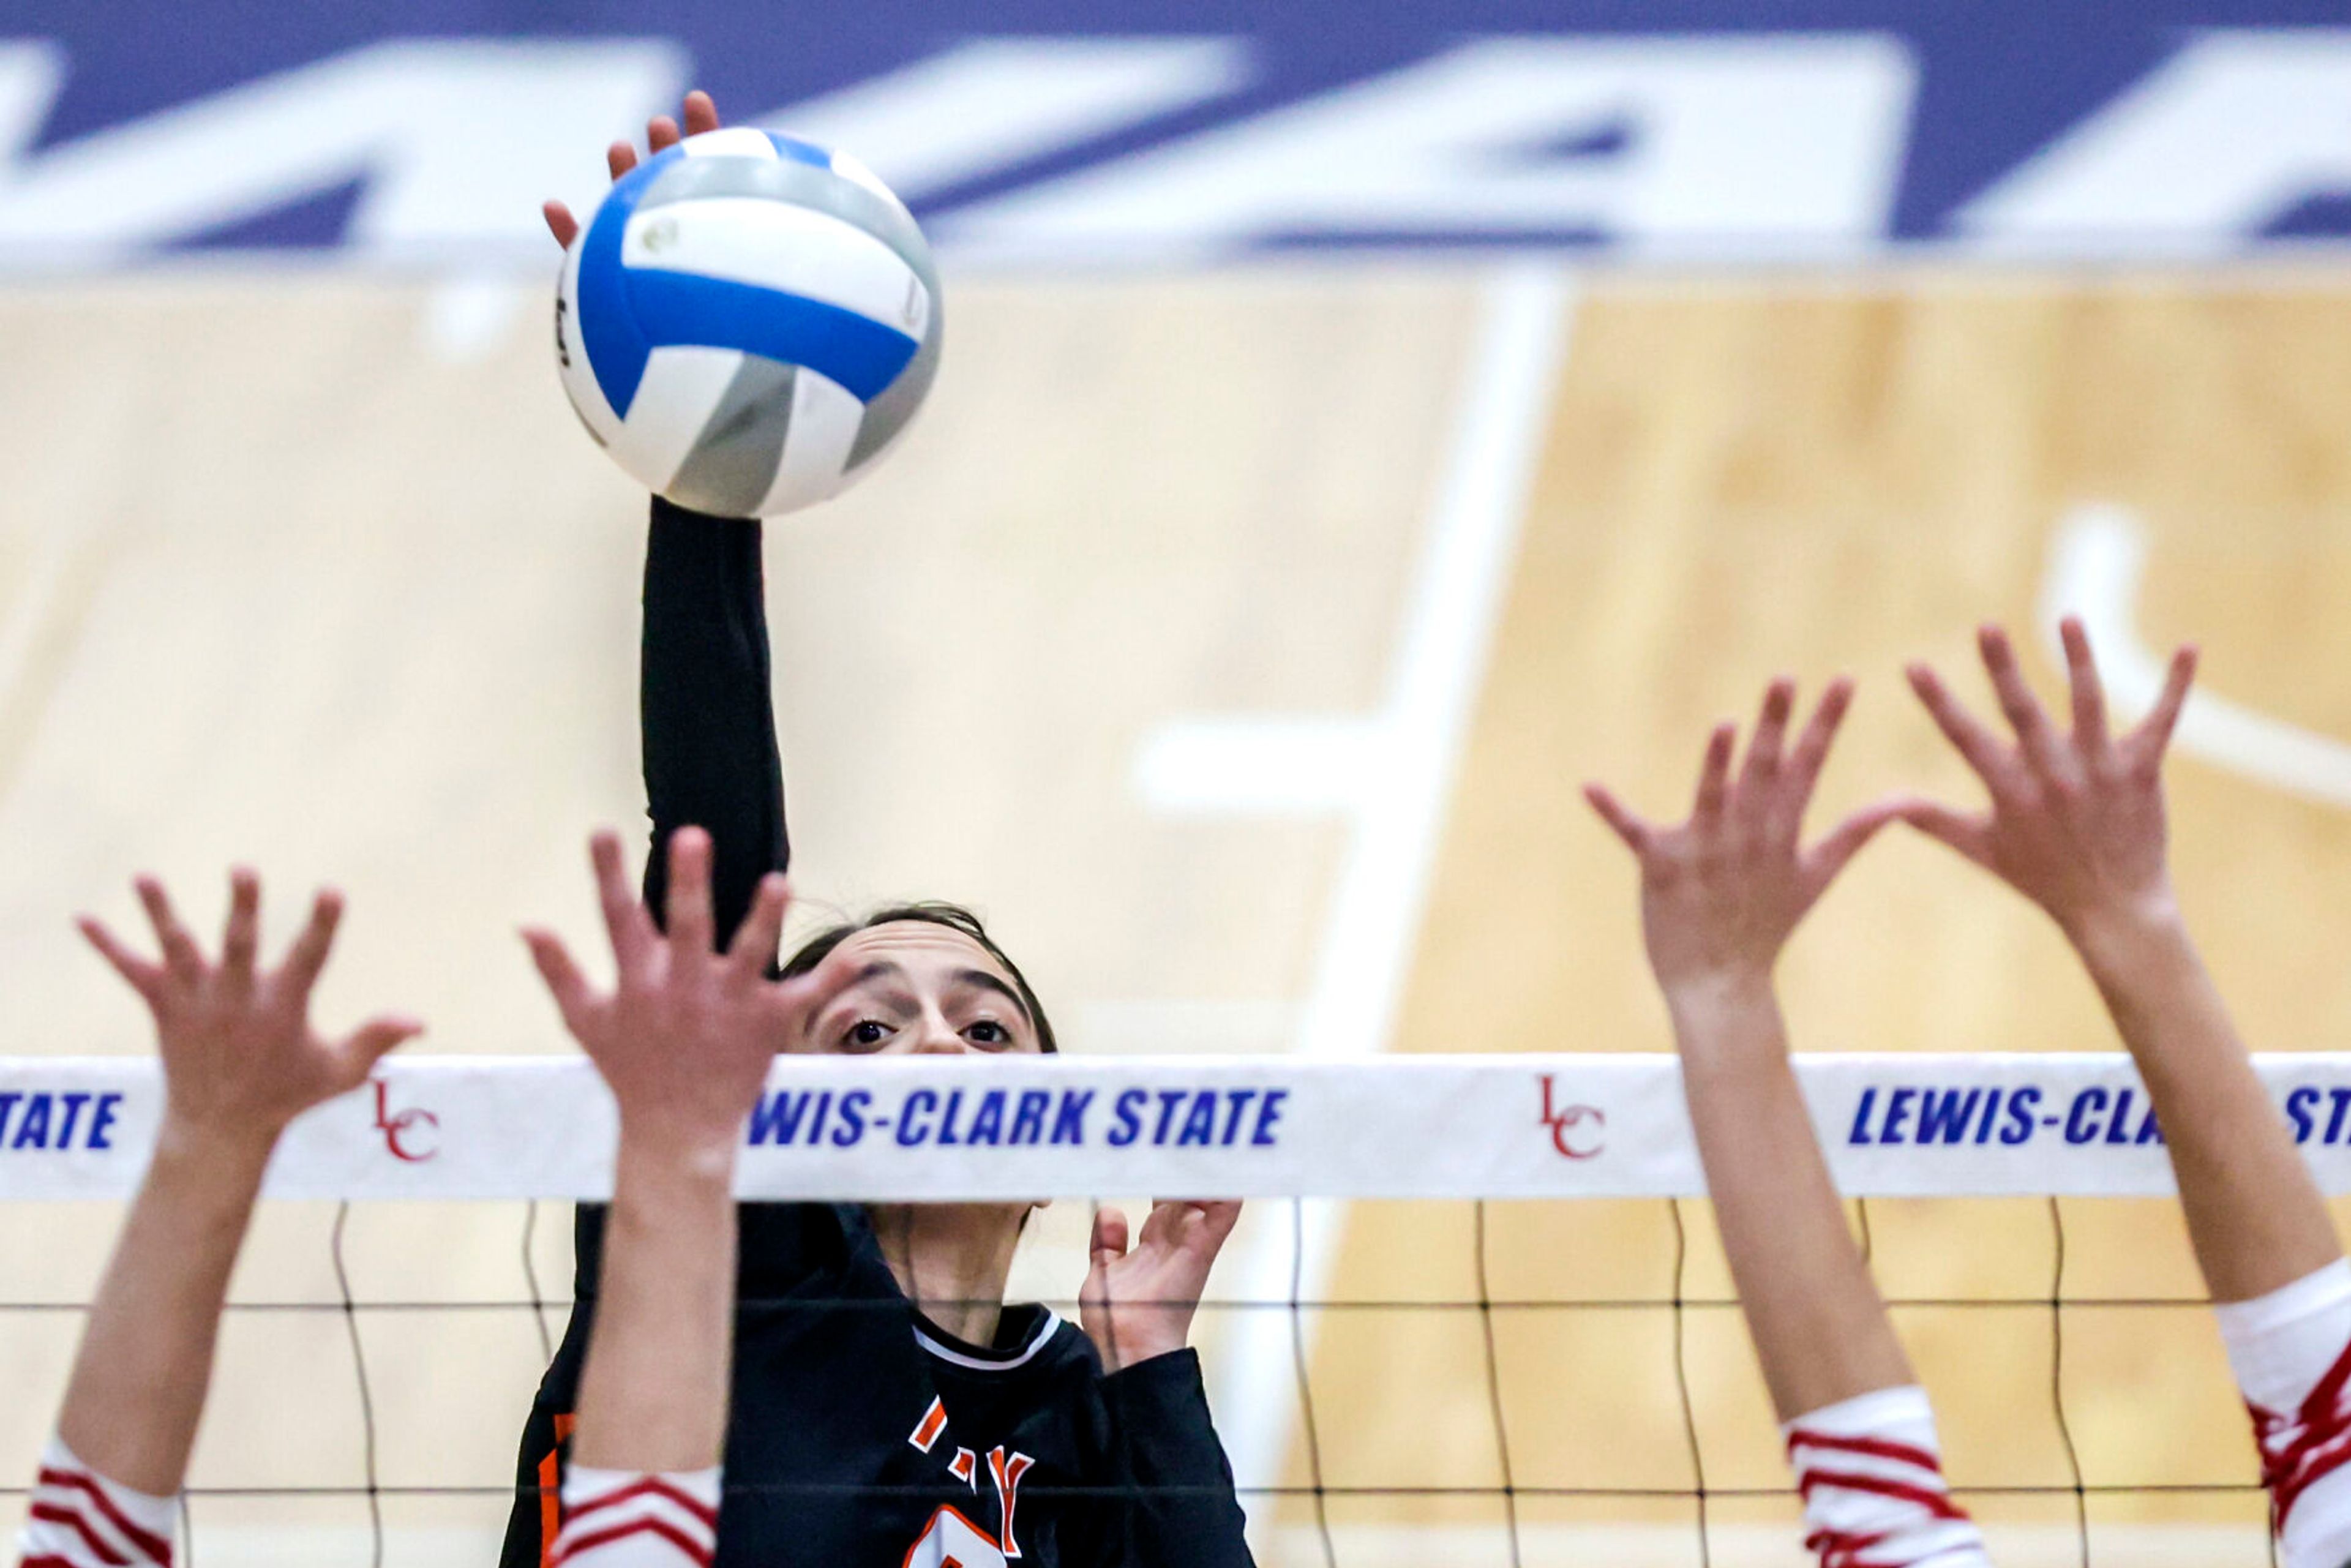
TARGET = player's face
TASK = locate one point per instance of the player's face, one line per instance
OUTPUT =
(922, 989)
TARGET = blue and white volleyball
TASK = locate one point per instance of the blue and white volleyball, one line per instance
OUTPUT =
(748, 322)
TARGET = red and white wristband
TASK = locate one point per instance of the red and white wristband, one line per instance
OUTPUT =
(1871, 1472)
(78, 1519)
(2291, 1351)
(623, 1518)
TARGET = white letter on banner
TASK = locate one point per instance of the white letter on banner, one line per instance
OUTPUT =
(993, 103)
(459, 143)
(2227, 136)
(1727, 145)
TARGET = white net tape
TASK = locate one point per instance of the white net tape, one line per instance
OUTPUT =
(1529, 1126)
(1595, 1416)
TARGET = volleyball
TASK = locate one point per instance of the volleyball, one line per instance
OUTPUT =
(747, 322)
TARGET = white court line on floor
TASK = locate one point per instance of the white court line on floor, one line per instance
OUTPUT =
(2096, 561)
(1393, 771)
(1261, 766)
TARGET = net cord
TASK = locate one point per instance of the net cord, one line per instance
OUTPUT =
(1494, 1395)
(1305, 1384)
(1682, 1384)
(530, 1280)
(367, 1399)
(2057, 1376)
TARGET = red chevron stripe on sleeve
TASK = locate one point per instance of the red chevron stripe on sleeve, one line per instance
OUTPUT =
(1871, 1476)
(2303, 1446)
(2290, 1350)
(616, 1519)
(78, 1519)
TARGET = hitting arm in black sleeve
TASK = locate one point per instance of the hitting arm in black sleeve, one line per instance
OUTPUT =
(704, 713)
(710, 761)
(1176, 1506)
(708, 730)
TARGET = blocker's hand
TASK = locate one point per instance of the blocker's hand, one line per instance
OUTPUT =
(1138, 1304)
(1722, 893)
(685, 1035)
(661, 134)
(2076, 822)
(240, 1057)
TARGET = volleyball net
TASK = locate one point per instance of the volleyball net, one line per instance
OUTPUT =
(1476, 1313)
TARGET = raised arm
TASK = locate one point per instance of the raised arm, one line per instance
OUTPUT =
(705, 711)
(2076, 822)
(1176, 1506)
(684, 1040)
(705, 716)
(1720, 894)
(240, 1062)
(708, 739)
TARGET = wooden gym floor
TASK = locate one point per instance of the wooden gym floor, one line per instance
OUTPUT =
(320, 573)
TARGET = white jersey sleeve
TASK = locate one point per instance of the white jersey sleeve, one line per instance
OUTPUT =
(2291, 1350)
(78, 1519)
(620, 1519)
(1870, 1471)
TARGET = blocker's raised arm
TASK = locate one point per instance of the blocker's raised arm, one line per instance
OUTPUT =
(685, 1034)
(241, 1061)
(683, 1037)
(2077, 822)
(1722, 893)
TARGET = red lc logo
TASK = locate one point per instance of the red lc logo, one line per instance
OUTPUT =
(401, 1134)
(1564, 1122)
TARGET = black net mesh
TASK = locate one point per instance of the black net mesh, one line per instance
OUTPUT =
(355, 1422)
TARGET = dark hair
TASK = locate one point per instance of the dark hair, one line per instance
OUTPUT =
(955, 917)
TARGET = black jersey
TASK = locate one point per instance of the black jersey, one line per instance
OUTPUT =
(861, 1435)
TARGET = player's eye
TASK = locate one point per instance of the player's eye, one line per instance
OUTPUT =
(989, 1033)
(866, 1034)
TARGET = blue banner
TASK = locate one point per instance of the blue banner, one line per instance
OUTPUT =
(1043, 132)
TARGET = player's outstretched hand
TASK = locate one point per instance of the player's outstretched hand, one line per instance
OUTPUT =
(2076, 821)
(1137, 1303)
(685, 1035)
(1723, 892)
(240, 1057)
(661, 134)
